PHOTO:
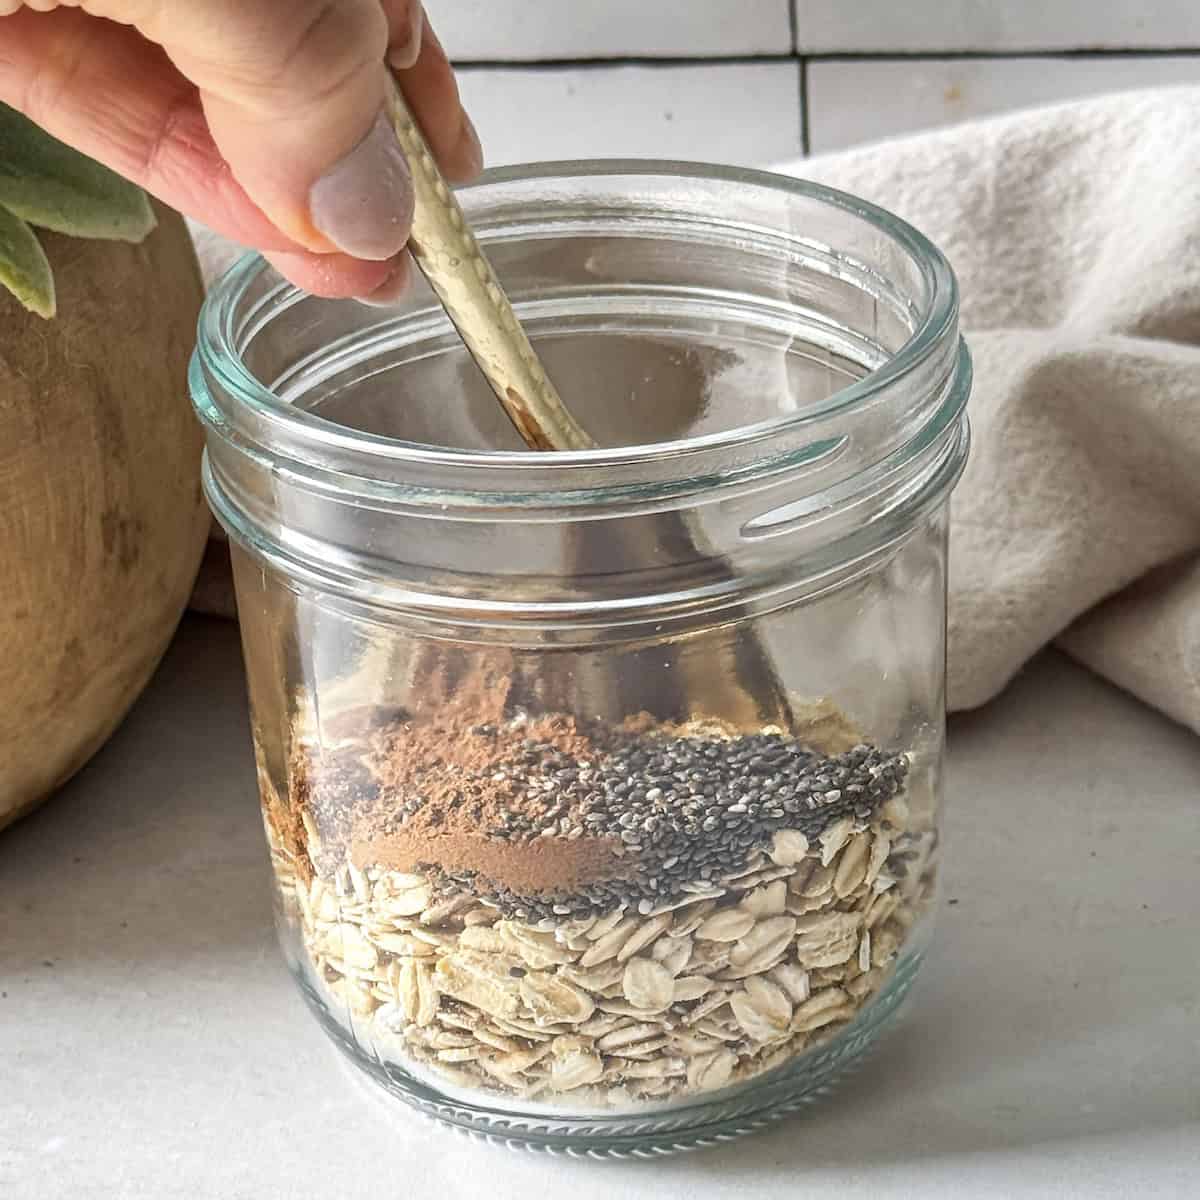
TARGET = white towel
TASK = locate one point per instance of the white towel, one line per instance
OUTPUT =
(1075, 233)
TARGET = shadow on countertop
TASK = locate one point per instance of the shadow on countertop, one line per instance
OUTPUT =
(161, 825)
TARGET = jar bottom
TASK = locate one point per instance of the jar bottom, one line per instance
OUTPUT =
(733, 1112)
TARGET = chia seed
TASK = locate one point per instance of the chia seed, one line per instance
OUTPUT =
(684, 808)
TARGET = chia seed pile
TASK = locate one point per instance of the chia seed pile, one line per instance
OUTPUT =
(685, 810)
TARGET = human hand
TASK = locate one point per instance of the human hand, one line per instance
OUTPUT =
(259, 118)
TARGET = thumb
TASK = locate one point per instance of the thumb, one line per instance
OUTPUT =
(293, 92)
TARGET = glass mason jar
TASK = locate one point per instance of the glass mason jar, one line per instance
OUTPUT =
(602, 787)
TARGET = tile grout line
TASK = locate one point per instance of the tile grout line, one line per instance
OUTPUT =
(594, 62)
(870, 56)
(805, 137)
(733, 60)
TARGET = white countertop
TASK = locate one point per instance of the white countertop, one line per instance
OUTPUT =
(152, 1045)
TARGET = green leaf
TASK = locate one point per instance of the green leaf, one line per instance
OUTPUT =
(24, 268)
(54, 187)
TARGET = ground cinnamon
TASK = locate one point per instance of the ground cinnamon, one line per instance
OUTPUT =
(445, 790)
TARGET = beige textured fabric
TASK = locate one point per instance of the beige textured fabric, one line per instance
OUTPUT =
(1075, 233)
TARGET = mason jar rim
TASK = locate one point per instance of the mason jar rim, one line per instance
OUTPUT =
(217, 354)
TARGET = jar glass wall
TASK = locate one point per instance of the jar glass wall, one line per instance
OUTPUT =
(602, 788)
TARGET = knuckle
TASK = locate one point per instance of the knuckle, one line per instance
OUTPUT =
(53, 73)
(332, 41)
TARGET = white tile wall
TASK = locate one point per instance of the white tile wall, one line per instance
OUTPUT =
(542, 85)
(892, 26)
(861, 101)
(518, 30)
(744, 113)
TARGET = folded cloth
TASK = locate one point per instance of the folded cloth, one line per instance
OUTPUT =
(1075, 234)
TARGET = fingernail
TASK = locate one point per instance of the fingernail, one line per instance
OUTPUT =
(404, 53)
(363, 204)
(393, 289)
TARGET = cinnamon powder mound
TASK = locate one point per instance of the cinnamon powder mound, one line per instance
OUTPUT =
(549, 865)
(445, 789)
